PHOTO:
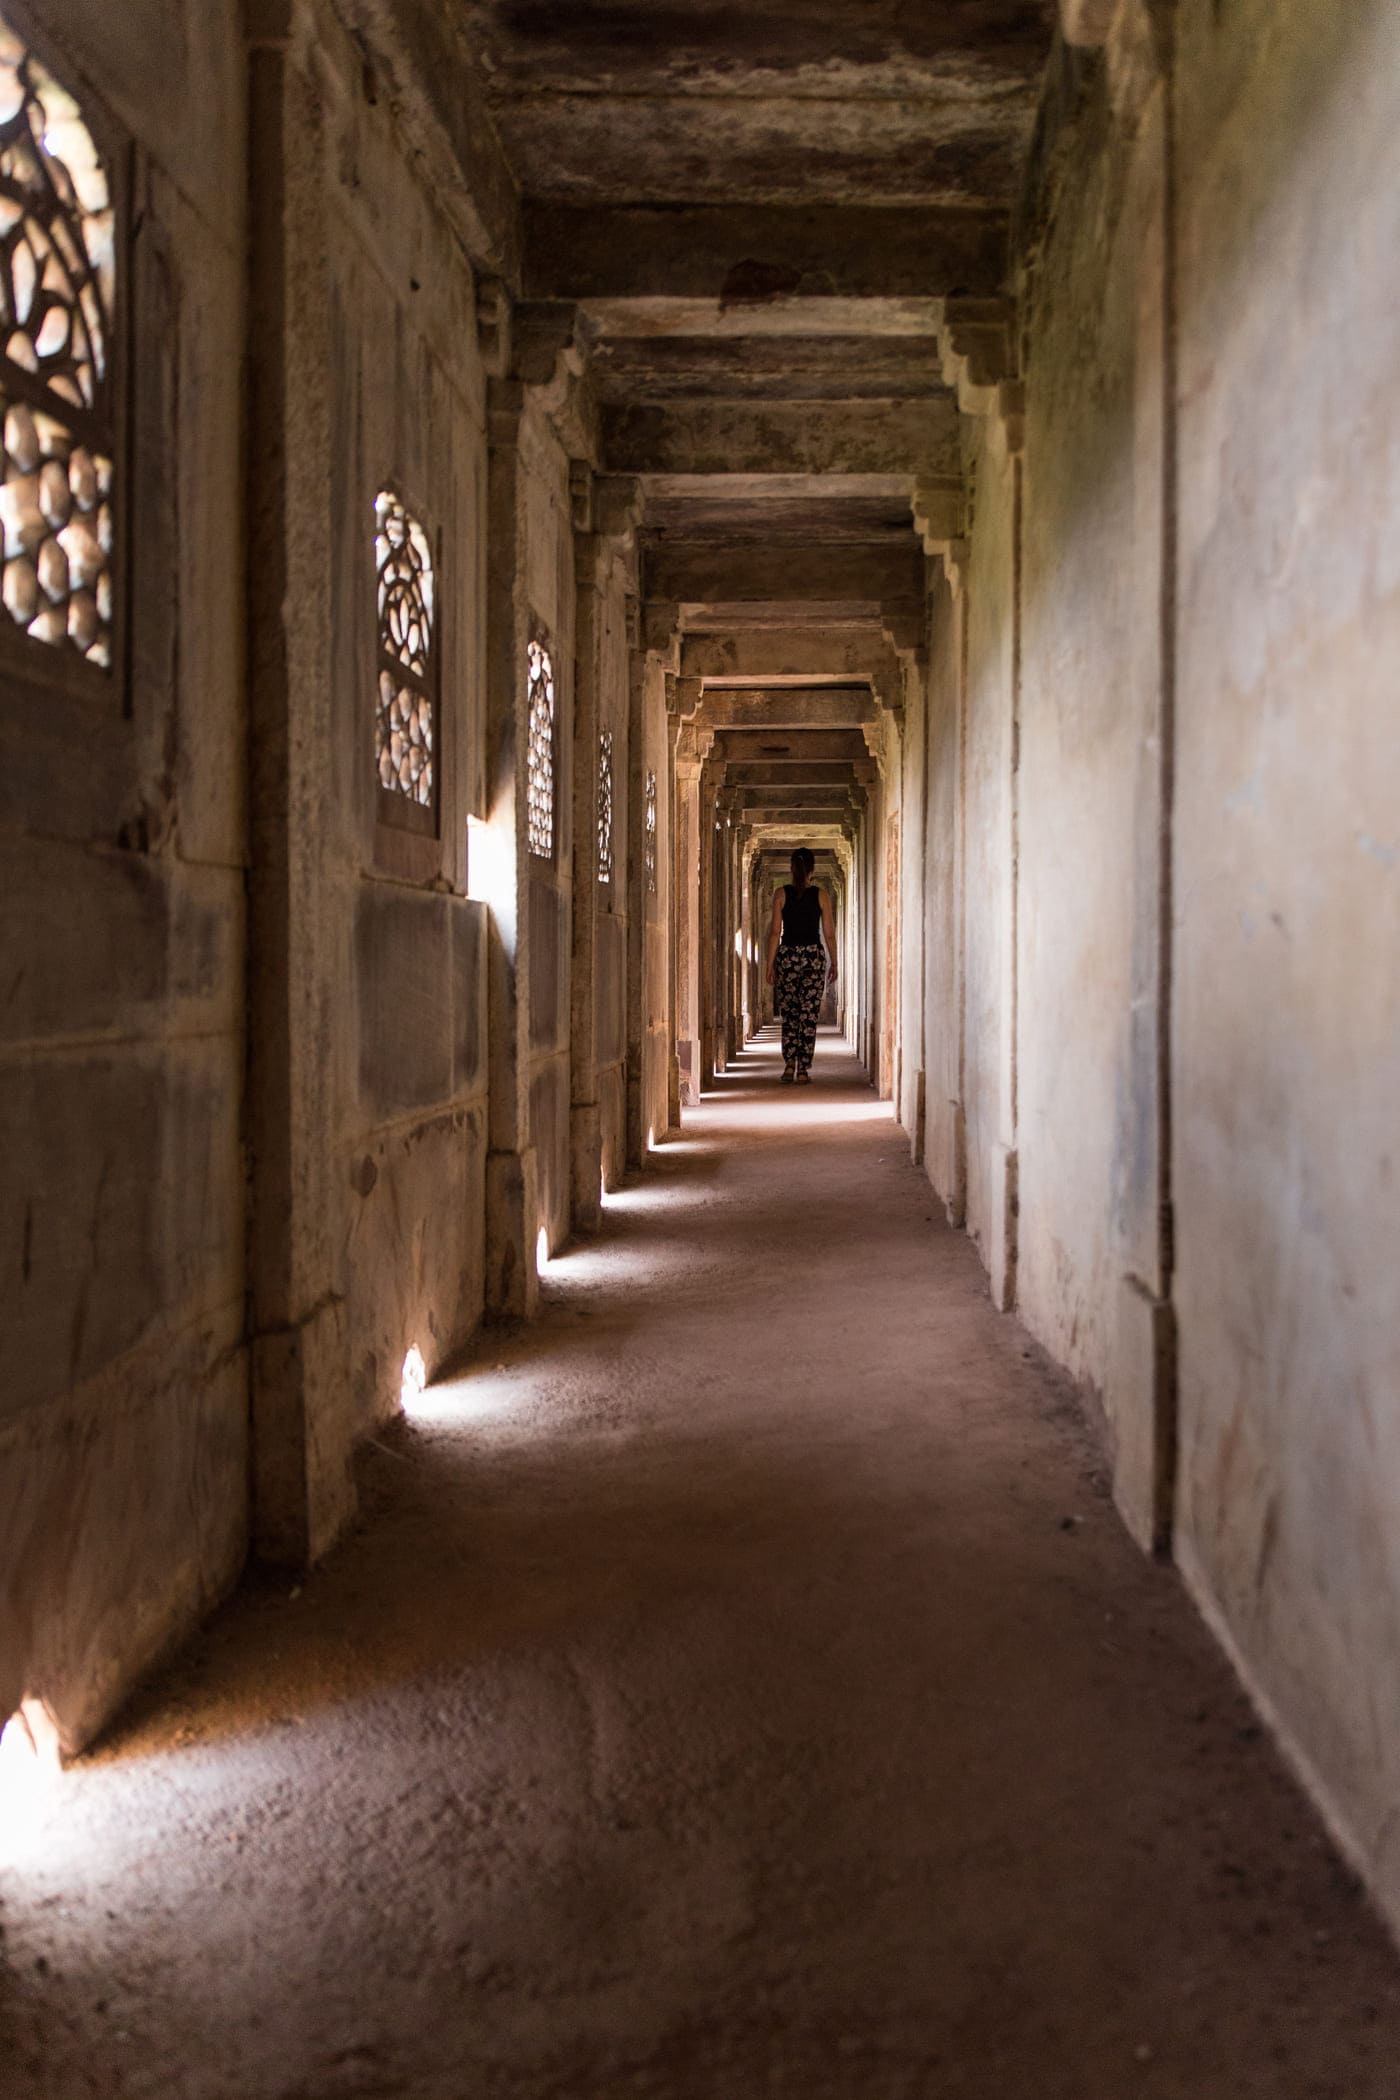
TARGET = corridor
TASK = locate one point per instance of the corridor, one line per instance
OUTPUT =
(536, 1561)
(709, 1706)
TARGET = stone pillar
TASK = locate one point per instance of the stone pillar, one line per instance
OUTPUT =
(511, 1203)
(302, 1488)
(746, 1010)
(1003, 1234)
(707, 933)
(735, 948)
(915, 873)
(955, 1169)
(673, 940)
(639, 904)
(687, 916)
(606, 509)
(593, 557)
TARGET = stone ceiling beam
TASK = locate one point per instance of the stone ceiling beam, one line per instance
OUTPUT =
(745, 257)
(812, 318)
(697, 435)
(802, 656)
(779, 710)
(798, 813)
(781, 794)
(785, 774)
(714, 573)
(792, 523)
(762, 366)
(749, 746)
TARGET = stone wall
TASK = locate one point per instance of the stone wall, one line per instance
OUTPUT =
(944, 1131)
(1089, 776)
(988, 875)
(1178, 781)
(407, 1133)
(611, 899)
(123, 1421)
(1286, 1042)
(548, 591)
(655, 1109)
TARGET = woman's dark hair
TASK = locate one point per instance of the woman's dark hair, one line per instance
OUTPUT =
(804, 860)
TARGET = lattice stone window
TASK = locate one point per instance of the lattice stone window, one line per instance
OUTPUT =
(404, 715)
(649, 835)
(57, 292)
(605, 805)
(539, 779)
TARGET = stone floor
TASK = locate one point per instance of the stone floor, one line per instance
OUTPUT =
(739, 1685)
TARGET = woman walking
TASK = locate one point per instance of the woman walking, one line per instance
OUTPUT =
(798, 969)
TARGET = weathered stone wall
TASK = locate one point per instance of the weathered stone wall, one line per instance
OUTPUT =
(610, 900)
(1202, 576)
(653, 1115)
(1090, 693)
(548, 579)
(407, 945)
(123, 1421)
(1286, 1046)
(944, 1148)
(988, 876)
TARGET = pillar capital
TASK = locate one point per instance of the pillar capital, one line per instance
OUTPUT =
(493, 325)
(618, 504)
(940, 512)
(661, 631)
(683, 696)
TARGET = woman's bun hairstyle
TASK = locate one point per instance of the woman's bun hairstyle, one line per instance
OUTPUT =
(804, 861)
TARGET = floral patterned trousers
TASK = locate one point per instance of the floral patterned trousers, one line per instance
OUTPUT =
(799, 979)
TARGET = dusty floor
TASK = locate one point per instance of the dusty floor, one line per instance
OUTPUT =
(740, 1686)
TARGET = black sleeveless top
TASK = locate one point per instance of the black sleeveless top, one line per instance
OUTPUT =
(802, 916)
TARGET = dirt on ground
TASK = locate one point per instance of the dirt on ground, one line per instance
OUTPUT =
(739, 1684)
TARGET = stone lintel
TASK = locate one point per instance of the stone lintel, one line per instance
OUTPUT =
(702, 435)
(795, 772)
(726, 575)
(801, 656)
(746, 258)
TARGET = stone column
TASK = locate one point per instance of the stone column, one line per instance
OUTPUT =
(686, 879)
(302, 1488)
(707, 935)
(915, 871)
(735, 948)
(639, 906)
(511, 1204)
(673, 942)
(743, 848)
(606, 510)
(593, 557)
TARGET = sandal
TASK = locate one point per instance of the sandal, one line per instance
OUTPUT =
(788, 1075)
(803, 1079)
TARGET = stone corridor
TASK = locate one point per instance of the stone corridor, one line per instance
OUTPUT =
(534, 1560)
(709, 1707)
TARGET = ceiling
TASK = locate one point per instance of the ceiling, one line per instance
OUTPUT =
(766, 216)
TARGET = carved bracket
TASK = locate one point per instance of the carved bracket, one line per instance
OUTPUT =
(493, 326)
(548, 352)
(977, 344)
(661, 632)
